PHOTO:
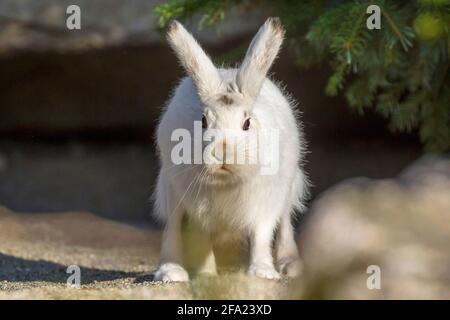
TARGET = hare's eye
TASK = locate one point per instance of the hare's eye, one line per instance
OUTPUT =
(204, 122)
(246, 124)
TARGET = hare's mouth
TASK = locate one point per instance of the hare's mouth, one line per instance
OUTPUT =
(225, 169)
(222, 171)
(224, 175)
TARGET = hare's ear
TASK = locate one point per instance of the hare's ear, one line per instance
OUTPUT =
(197, 64)
(259, 57)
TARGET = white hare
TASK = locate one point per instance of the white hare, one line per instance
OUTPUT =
(230, 200)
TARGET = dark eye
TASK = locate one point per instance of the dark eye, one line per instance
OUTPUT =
(204, 122)
(246, 125)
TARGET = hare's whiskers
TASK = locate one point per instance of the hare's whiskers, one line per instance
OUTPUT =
(184, 194)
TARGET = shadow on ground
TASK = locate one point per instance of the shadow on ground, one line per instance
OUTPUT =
(15, 269)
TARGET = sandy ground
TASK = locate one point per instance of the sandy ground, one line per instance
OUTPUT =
(401, 225)
(116, 262)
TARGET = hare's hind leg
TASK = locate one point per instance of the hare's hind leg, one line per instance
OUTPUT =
(288, 261)
(199, 255)
(287, 258)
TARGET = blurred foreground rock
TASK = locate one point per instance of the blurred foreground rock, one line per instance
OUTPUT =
(401, 225)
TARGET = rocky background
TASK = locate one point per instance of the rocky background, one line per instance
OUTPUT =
(77, 166)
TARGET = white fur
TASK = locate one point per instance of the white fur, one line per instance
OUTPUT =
(195, 61)
(259, 57)
(242, 204)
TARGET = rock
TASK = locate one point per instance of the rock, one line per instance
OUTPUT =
(41, 25)
(400, 225)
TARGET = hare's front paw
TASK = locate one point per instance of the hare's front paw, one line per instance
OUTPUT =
(263, 270)
(171, 272)
(290, 266)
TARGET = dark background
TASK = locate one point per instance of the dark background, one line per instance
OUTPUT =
(78, 111)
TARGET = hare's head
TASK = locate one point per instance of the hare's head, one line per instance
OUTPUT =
(227, 97)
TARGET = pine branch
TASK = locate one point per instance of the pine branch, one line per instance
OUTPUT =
(408, 84)
(403, 40)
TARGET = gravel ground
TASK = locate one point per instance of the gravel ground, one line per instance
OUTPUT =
(400, 225)
(116, 262)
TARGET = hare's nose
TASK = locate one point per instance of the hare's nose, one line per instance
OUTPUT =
(219, 150)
